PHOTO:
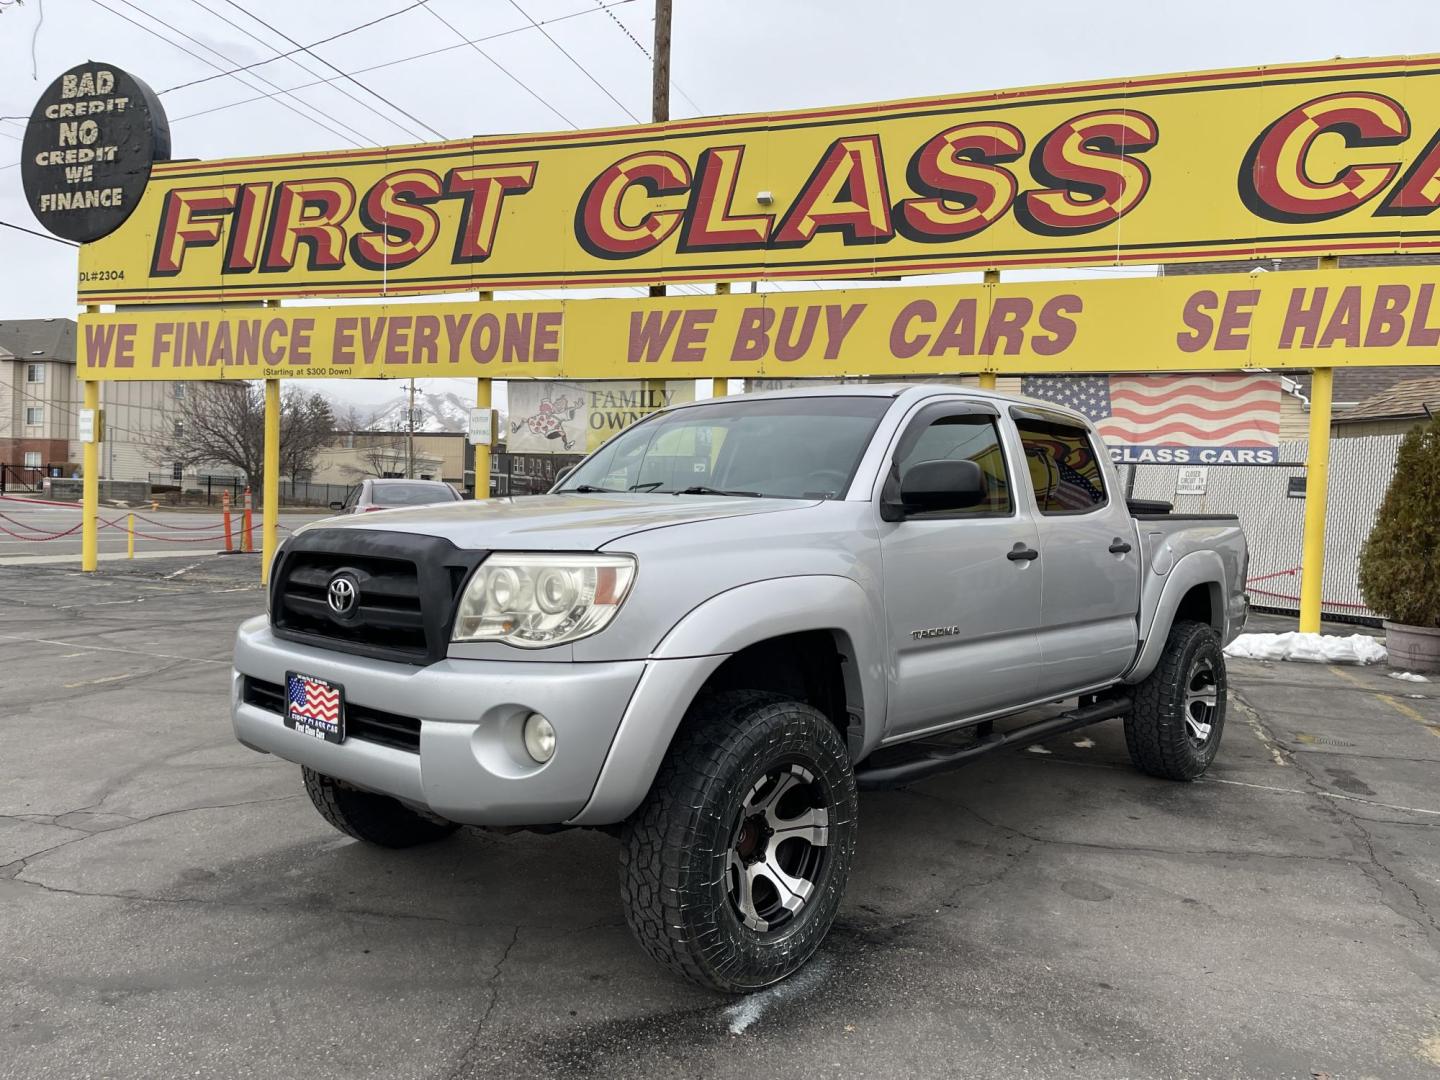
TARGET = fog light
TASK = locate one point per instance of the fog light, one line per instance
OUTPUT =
(539, 738)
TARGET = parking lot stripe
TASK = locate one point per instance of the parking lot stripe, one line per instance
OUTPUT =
(1322, 794)
(111, 648)
(1412, 713)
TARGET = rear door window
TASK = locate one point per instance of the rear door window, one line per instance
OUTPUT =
(1065, 470)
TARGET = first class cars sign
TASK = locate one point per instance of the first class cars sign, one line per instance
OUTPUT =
(1330, 157)
(88, 150)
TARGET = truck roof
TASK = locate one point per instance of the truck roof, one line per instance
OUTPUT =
(896, 390)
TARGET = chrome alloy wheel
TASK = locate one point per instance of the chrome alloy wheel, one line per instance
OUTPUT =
(778, 847)
(1202, 698)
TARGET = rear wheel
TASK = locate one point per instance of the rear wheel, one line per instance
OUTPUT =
(1173, 729)
(732, 869)
(376, 819)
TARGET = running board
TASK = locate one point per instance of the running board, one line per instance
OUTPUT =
(906, 772)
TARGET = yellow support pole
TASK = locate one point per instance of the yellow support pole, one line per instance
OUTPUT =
(271, 496)
(90, 486)
(482, 450)
(987, 378)
(1317, 490)
(720, 387)
(483, 401)
(130, 538)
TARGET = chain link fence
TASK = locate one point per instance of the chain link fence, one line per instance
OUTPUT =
(202, 489)
(1271, 506)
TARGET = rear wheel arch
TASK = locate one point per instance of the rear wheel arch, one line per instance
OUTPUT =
(1193, 590)
(1202, 603)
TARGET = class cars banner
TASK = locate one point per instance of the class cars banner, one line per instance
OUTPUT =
(1335, 157)
(1221, 322)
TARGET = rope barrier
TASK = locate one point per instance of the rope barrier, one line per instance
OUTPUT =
(1286, 596)
(38, 539)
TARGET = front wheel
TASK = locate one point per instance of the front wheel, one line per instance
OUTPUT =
(1173, 729)
(732, 869)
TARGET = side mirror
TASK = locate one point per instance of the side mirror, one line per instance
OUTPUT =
(337, 506)
(937, 485)
(564, 473)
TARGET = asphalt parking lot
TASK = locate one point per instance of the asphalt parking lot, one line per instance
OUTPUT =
(171, 905)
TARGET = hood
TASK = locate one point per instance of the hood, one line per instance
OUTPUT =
(555, 522)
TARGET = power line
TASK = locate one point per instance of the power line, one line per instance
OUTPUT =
(261, 78)
(584, 70)
(646, 53)
(210, 63)
(471, 43)
(463, 44)
(41, 235)
(505, 71)
(625, 30)
(351, 78)
(292, 52)
(267, 45)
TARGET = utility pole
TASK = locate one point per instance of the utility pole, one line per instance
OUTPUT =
(410, 436)
(660, 80)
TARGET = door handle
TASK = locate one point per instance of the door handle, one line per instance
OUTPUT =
(1118, 546)
(1021, 553)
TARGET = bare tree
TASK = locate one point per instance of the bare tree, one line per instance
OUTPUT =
(223, 423)
(307, 426)
(382, 450)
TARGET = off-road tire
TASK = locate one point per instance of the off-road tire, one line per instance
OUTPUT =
(376, 819)
(677, 849)
(1157, 735)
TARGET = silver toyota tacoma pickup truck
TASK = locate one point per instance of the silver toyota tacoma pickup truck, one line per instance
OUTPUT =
(723, 624)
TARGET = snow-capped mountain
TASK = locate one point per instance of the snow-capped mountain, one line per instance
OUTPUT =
(433, 413)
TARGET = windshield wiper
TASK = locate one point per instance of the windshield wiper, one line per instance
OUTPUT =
(651, 486)
(701, 489)
(587, 489)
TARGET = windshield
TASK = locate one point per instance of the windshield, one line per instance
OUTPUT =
(782, 448)
(412, 494)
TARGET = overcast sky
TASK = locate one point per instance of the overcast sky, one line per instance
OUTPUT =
(730, 56)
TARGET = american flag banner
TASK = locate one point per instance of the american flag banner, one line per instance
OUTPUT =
(1177, 419)
(313, 705)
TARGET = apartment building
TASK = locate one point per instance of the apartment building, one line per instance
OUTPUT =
(40, 404)
(38, 392)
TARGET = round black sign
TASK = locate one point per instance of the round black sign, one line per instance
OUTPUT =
(88, 149)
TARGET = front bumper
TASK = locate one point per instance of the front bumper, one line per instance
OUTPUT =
(472, 766)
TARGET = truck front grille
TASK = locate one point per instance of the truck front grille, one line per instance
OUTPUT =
(387, 611)
(371, 725)
(405, 590)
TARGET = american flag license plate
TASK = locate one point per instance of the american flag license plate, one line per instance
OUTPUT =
(315, 707)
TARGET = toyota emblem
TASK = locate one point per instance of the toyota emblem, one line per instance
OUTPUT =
(342, 594)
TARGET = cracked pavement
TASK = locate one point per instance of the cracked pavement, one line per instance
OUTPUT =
(170, 904)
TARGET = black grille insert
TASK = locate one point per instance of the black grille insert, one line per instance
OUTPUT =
(371, 725)
(406, 588)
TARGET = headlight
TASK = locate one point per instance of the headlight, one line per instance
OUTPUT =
(535, 601)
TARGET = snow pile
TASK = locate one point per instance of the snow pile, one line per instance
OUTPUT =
(1314, 648)
(1408, 676)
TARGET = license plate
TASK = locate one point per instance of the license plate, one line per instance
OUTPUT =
(315, 707)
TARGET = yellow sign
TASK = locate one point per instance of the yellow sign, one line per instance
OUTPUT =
(1332, 157)
(1210, 323)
